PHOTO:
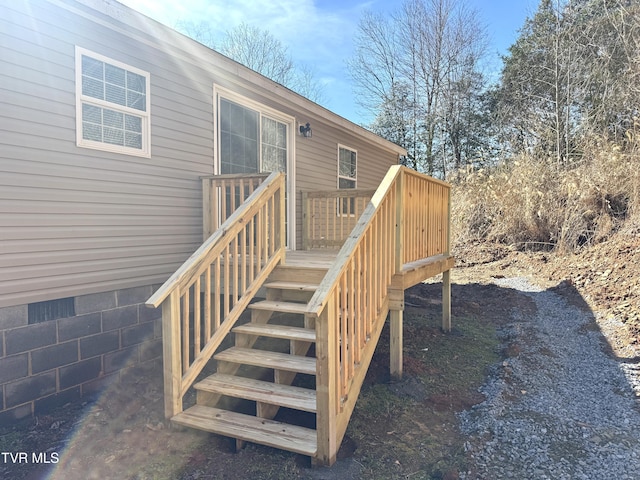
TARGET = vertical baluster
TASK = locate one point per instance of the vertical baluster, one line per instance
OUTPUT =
(259, 241)
(353, 316)
(227, 284)
(357, 303)
(252, 242)
(207, 304)
(344, 370)
(223, 202)
(185, 330)
(243, 255)
(271, 208)
(217, 295)
(196, 318)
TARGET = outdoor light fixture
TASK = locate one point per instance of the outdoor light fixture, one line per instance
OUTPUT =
(305, 130)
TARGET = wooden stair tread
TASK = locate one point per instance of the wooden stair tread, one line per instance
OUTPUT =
(263, 358)
(277, 331)
(295, 286)
(252, 429)
(257, 390)
(278, 306)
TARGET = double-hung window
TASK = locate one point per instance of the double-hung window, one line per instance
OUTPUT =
(112, 105)
(347, 163)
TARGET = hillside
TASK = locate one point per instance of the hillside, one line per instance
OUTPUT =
(606, 275)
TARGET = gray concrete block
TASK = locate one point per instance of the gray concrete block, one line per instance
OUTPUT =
(99, 344)
(14, 367)
(30, 337)
(146, 314)
(54, 356)
(137, 334)
(79, 326)
(119, 318)
(12, 317)
(121, 359)
(95, 302)
(80, 372)
(133, 296)
(30, 388)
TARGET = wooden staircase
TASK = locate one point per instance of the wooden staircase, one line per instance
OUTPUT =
(276, 344)
(310, 338)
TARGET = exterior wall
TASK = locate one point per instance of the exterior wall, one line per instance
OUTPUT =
(78, 222)
(318, 163)
(46, 365)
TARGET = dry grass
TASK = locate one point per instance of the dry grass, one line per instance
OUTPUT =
(532, 204)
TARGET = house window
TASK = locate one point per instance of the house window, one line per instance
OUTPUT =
(347, 163)
(251, 141)
(112, 105)
(252, 137)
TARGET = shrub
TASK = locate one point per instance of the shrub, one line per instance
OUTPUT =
(535, 204)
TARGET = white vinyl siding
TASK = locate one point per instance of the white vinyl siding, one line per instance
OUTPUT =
(77, 221)
(112, 105)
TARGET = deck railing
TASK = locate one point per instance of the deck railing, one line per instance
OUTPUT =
(222, 195)
(352, 302)
(204, 298)
(329, 216)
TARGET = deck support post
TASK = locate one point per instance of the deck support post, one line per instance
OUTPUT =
(446, 300)
(396, 296)
(395, 348)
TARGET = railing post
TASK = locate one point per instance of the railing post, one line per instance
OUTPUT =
(327, 384)
(207, 214)
(396, 312)
(281, 217)
(399, 253)
(446, 275)
(306, 219)
(172, 369)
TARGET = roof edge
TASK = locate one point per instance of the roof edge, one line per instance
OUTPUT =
(234, 70)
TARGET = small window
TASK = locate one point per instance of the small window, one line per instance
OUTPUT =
(347, 166)
(112, 102)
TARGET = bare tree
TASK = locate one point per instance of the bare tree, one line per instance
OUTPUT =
(259, 50)
(415, 67)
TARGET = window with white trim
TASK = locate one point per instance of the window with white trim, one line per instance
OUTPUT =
(251, 139)
(347, 178)
(112, 105)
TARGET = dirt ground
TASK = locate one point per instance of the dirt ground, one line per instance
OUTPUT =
(402, 429)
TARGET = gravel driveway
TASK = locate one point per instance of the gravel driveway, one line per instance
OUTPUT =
(562, 407)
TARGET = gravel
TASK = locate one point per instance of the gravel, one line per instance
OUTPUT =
(562, 408)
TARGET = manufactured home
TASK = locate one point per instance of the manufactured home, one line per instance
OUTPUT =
(159, 200)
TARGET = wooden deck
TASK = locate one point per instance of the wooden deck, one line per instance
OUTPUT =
(317, 313)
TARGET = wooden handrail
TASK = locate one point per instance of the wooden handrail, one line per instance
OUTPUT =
(329, 216)
(222, 195)
(352, 301)
(203, 299)
(230, 226)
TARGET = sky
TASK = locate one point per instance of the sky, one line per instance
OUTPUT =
(320, 33)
